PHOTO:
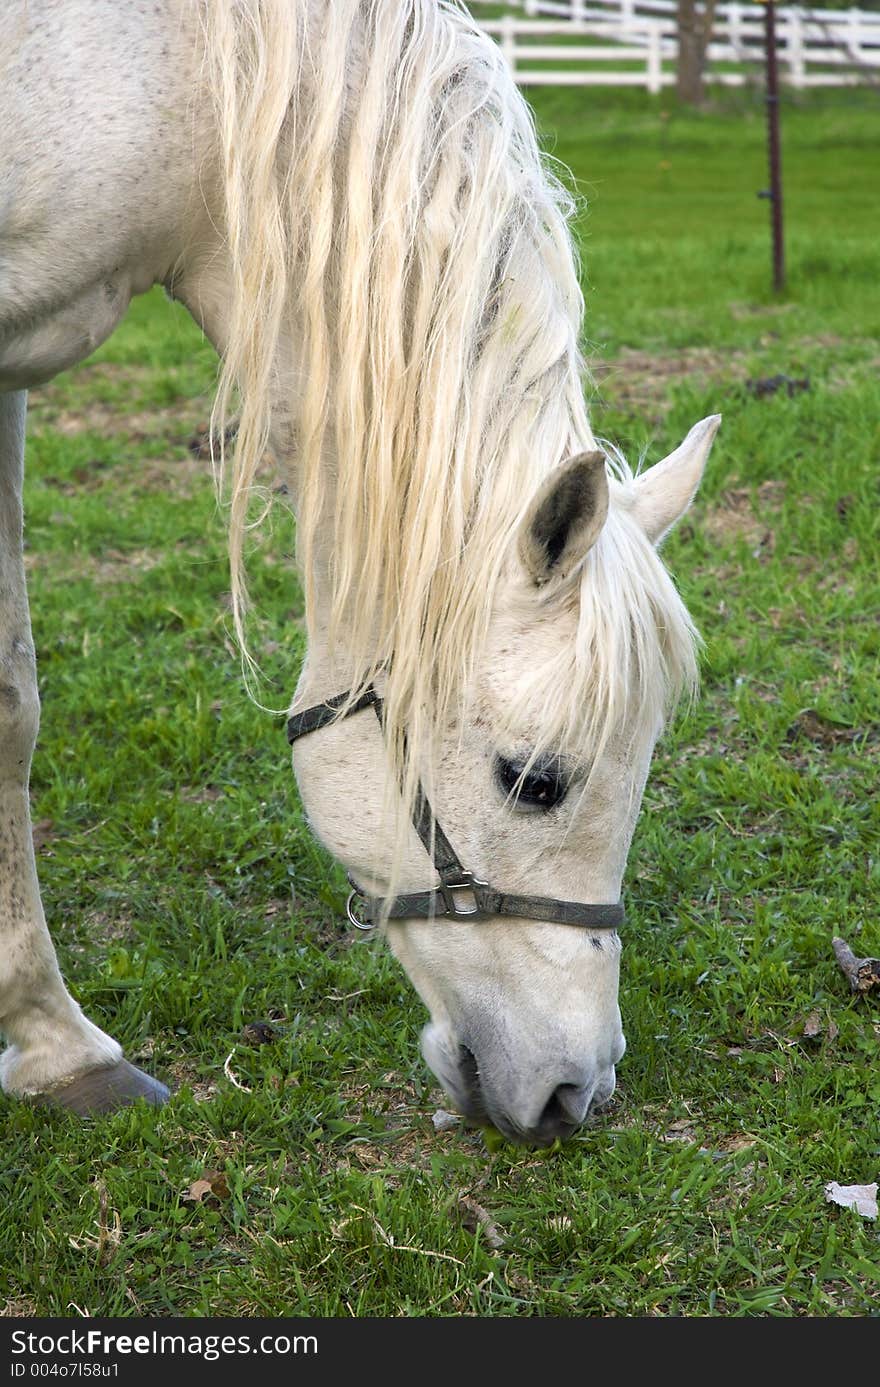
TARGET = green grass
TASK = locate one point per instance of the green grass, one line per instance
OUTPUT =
(187, 898)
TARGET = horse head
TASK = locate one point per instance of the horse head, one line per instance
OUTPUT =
(536, 782)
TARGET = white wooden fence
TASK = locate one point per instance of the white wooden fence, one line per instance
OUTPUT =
(815, 48)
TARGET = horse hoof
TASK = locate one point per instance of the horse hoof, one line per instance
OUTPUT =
(103, 1090)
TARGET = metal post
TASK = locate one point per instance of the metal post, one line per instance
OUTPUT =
(774, 193)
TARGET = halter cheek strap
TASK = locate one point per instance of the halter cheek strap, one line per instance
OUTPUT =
(460, 895)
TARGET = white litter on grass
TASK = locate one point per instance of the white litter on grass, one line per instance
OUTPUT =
(444, 1121)
(862, 1198)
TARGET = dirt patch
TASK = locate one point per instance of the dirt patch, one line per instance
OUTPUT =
(97, 371)
(112, 567)
(123, 566)
(639, 381)
(176, 473)
(100, 403)
(183, 1074)
(744, 312)
(43, 834)
(200, 794)
(109, 410)
(734, 517)
(172, 422)
(103, 927)
(840, 577)
(408, 1141)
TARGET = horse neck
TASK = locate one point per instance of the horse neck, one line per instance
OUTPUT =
(330, 666)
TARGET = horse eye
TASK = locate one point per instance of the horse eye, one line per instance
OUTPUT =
(542, 787)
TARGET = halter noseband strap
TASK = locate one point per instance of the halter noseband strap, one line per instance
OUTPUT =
(460, 896)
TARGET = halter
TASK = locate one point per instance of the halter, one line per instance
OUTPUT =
(460, 895)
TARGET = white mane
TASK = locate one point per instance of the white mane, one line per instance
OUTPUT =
(388, 210)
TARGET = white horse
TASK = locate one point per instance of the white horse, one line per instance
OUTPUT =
(348, 197)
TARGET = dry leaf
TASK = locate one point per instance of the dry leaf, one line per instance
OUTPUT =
(198, 1190)
(259, 1033)
(210, 1189)
(813, 1025)
(817, 728)
(681, 1130)
(738, 1141)
(862, 1198)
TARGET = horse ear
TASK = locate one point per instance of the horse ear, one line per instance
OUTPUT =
(564, 519)
(664, 492)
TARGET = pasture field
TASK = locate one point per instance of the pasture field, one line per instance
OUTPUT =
(304, 1176)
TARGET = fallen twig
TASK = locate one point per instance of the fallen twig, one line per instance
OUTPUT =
(476, 1219)
(863, 973)
(227, 1070)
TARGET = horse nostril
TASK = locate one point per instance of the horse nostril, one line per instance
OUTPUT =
(467, 1064)
(572, 1101)
(564, 1111)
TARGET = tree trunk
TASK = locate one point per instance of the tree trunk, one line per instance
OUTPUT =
(694, 23)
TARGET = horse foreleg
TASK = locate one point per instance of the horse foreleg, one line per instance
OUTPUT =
(53, 1051)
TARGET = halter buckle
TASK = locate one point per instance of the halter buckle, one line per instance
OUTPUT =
(459, 879)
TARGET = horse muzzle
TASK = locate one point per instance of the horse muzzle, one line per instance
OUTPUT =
(532, 1110)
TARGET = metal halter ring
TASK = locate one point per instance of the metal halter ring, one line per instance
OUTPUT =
(356, 895)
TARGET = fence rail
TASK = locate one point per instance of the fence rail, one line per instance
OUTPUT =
(640, 9)
(815, 48)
